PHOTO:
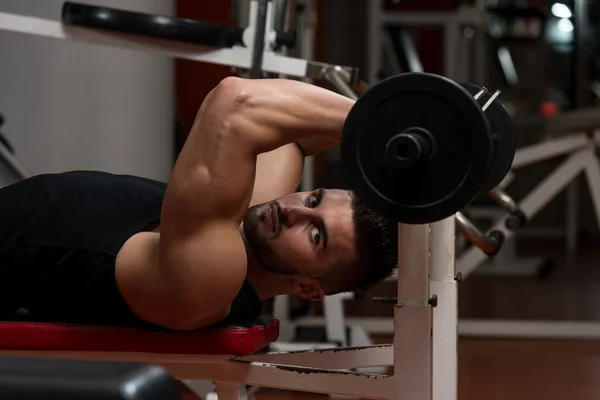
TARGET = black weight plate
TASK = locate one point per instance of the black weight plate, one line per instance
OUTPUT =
(155, 26)
(454, 175)
(505, 141)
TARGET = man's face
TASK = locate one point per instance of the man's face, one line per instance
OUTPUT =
(304, 234)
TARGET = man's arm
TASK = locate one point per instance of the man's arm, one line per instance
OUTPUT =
(278, 173)
(200, 255)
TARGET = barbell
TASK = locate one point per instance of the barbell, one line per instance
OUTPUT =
(419, 147)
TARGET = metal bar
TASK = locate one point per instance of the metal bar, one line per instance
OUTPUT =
(581, 83)
(451, 45)
(305, 33)
(480, 63)
(313, 380)
(593, 179)
(14, 162)
(479, 94)
(335, 75)
(491, 100)
(388, 53)
(474, 235)
(493, 328)
(374, 43)
(445, 313)
(581, 70)
(541, 195)
(333, 308)
(582, 92)
(412, 353)
(281, 9)
(503, 199)
(572, 216)
(507, 66)
(336, 358)
(549, 149)
(529, 329)
(319, 70)
(413, 264)
(410, 51)
(258, 45)
(412, 315)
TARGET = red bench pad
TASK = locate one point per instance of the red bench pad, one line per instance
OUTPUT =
(231, 339)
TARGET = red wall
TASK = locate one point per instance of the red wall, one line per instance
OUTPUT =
(194, 80)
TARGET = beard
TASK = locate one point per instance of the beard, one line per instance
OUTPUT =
(258, 239)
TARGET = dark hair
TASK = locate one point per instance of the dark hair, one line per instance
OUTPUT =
(377, 247)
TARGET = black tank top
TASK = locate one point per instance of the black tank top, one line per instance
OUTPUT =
(59, 238)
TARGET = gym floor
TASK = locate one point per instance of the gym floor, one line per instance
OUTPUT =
(523, 369)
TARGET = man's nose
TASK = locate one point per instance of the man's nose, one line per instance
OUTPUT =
(296, 214)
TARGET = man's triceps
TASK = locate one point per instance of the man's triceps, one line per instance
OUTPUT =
(203, 274)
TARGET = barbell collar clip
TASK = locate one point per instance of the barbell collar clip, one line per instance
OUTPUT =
(479, 95)
(491, 100)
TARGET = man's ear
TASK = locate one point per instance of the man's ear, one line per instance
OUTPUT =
(309, 289)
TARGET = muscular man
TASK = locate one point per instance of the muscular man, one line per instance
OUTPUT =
(225, 233)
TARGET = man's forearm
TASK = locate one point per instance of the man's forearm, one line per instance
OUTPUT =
(274, 112)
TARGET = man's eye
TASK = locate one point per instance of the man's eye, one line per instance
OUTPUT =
(312, 201)
(315, 236)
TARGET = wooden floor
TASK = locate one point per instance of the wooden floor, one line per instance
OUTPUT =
(527, 370)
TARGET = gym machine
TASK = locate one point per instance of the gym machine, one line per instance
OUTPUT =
(580, 153)
(251, 49)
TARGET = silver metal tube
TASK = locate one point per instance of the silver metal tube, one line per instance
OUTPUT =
(338, 77)
(413, 316)
(413, 264)
(15, 163)
(318, 70)
(491, 100)
(503, 199)
(445, 314)
(470, 231)
(281, 8)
